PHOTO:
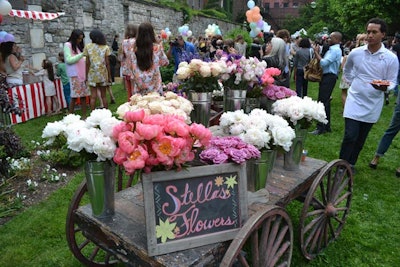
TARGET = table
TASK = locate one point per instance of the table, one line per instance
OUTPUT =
(31, 98)
(124, 235)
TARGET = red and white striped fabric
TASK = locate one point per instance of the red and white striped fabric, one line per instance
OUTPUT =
(31, 99)
(36, 15)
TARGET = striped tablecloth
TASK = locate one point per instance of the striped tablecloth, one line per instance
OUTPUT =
(31, 99)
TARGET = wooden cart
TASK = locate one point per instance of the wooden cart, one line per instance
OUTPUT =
(266, 238)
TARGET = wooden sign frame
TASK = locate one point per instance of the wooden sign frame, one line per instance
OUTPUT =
(229, 186)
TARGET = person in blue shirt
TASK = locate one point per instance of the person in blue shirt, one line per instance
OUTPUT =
(179, 47)
(330, 64)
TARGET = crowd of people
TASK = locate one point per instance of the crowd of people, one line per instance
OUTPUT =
(89, 71)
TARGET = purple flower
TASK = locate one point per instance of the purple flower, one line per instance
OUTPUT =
(230, 148)
(237, 155)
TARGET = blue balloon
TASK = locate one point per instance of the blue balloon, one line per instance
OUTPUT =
(2, 34)
(253, 34)
(251, 4)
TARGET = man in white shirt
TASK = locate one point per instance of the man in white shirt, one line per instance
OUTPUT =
(365, 100)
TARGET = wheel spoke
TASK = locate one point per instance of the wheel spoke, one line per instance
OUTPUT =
(94, 253)
(282, 250)
(323, 193)
(315, 212)
(264, 239)
(84, 244)
(255, 254)
(314, 230)
(243, 260)
(274, 257)
(313, 222)
(339, 190)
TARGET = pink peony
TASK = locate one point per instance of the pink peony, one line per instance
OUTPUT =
(199, 131)
(136, 160)
(121, 127)
(134, 116)
(147, 131)
(127, 142)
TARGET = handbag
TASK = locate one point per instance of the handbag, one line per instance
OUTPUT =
(313, 70)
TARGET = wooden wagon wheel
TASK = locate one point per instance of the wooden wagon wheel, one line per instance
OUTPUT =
(82, 248)
(267, 238)
(326, 208)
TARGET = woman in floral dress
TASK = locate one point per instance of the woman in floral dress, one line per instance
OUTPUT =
(124, 55)
(147, 59)
(97, 67)
(75, 66)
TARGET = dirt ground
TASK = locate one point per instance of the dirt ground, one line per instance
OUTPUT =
(40, 192)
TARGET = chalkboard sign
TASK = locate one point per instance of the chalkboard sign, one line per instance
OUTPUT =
(194, 207)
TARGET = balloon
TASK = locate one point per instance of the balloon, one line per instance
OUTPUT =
(2, 34)
(260, 24)
(250, 4)
(256, 9)
(164, 34)
(260, 34)
(189, 33)
(9, 38)
(252, 34)
(248, 15)
(252, 25)
(5, 7)
(266, 27)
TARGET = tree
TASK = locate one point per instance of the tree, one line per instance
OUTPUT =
(348, 17)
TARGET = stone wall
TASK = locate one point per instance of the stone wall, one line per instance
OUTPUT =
(41, 39)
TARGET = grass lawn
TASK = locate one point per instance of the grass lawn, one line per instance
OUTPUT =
(371, 236)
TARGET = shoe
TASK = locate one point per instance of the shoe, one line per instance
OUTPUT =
(317, 132)
(398, 172)
(112, 101)
(374, 162)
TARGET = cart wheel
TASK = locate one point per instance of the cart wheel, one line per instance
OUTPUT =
(326, 208)
(82, 248)
(265, 240)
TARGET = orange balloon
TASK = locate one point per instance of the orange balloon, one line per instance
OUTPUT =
(256, 9)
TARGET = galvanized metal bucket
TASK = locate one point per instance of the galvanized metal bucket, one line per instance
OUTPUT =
(201, 107)
(100, 181)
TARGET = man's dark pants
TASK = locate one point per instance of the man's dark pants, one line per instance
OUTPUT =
(355, 134)
(324, 95)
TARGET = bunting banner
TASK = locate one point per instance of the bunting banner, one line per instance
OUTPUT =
(36, 15)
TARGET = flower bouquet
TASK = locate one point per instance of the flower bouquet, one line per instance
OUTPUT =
(157, 141)
(228, 149)
(300, 112)
(263, 130)
(154, 103)
(241, 72)
(75, 141)
(200, 76)
(272, 91)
